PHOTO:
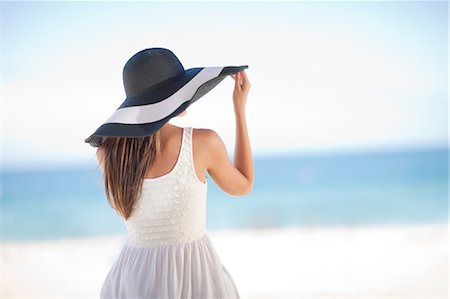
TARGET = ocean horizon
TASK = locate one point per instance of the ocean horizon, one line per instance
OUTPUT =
(345, 189)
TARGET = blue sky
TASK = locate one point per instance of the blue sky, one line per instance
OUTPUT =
(326, 76)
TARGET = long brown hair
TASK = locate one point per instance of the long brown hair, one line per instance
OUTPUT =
(125, 163)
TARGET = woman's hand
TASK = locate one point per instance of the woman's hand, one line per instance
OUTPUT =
(241, 89)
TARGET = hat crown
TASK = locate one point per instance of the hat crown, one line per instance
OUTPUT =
(150, 69)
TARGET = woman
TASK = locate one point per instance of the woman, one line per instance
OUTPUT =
(158, 185)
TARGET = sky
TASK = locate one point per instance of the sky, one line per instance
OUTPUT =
(326, 76)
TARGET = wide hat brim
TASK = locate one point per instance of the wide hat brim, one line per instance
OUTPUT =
(145, 114)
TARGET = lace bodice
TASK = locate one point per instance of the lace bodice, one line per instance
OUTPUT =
(171, 208)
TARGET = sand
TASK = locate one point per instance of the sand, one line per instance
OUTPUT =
(361, 261)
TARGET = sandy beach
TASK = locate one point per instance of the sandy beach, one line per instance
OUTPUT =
(360, 261)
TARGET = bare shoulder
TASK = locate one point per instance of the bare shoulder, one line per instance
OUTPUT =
(209, 146)
(204, 134)
(208, 139)
(218, 164)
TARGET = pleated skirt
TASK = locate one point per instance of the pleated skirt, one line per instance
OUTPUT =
(187, 270)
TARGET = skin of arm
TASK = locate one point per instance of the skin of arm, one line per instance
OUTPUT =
(236, 178)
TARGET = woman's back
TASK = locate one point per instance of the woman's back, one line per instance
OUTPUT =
(168, 253)
(171, 209)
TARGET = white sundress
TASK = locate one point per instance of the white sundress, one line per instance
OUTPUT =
(168, 253)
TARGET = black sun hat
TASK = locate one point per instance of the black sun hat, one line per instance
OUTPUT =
(157, 88)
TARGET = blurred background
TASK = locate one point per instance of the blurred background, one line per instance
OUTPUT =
(347, 117)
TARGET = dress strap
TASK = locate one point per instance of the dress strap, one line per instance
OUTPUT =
(188, 149)
(187, 157)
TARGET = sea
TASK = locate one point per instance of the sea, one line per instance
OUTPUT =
(340, 189)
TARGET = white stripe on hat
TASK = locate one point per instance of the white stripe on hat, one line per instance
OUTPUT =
(154, 112)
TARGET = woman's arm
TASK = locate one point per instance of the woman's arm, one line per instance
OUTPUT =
(236, 178)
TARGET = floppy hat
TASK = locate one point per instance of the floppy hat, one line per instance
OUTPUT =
(157, 88)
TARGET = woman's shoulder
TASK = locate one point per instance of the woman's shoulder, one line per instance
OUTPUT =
(207, 140)
(205, 135)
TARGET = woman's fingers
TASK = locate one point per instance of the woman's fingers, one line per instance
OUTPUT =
(244, 75)
(239, 78)
(236, 78)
